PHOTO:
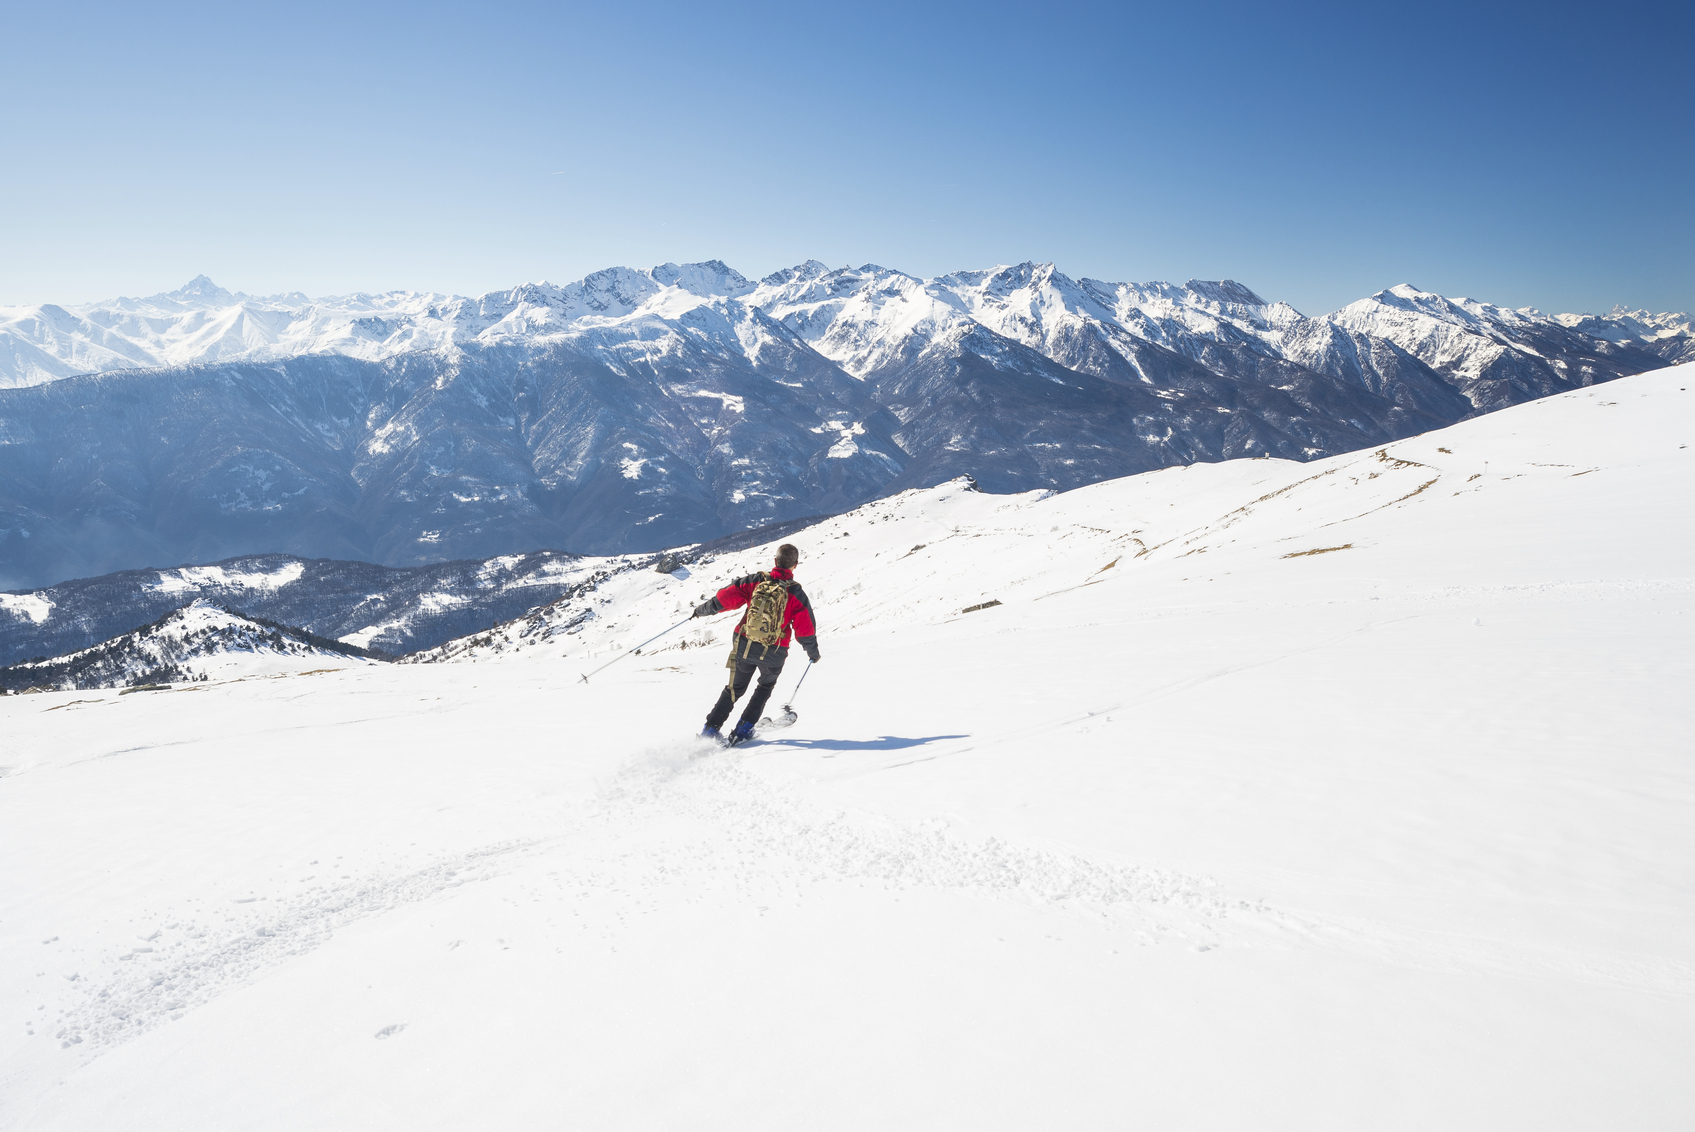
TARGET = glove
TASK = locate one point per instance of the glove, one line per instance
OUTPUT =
(706, 608)
(810, 644)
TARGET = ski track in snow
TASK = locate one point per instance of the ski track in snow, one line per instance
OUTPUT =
(768, 832)
(763, 829)
(195, 955)
(763, 835)
(751, 836)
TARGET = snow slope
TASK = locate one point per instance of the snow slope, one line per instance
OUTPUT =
(1338, 795)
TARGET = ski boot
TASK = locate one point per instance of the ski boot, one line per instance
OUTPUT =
(712, 733)
(742, 733)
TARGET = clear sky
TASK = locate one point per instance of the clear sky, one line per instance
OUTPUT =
(1537, 155)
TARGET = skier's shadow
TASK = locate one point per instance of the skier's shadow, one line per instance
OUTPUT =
(884, 743)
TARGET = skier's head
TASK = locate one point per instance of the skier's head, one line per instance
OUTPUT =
(788, 556)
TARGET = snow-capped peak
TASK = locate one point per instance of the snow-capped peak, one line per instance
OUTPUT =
(865, 319)
(201, 289)
(811, 269)
(711, 279)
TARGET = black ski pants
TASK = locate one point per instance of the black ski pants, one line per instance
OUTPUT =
(746, 658)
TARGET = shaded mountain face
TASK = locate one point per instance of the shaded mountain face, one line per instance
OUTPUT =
(426, 456)
(499, 450)
(395, 610)
(637, 410)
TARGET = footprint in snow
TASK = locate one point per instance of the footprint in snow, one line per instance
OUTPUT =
(389, 1031)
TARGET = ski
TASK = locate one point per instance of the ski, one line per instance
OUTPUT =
(769, 723)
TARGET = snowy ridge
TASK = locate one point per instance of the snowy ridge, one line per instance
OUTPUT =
(1186, 794)
(198, 642)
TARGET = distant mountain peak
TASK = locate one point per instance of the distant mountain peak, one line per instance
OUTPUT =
(200, 287)
(708, 279)
(801, 273)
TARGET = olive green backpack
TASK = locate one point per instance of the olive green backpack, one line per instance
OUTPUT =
(764, 622)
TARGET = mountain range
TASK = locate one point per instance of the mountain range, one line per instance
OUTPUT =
(635, 410)
(203, 322)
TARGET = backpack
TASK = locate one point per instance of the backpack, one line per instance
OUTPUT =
(764, 621)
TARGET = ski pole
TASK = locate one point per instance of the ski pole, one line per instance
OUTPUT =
(642, 646)
(795, 695)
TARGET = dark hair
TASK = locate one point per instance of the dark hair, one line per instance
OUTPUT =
(788, 556)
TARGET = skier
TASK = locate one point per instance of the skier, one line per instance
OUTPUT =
(775, 605)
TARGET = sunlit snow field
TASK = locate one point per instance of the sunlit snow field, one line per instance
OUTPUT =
(1341, 795)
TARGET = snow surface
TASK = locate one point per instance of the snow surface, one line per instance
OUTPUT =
(32, 606)
(1350, 794)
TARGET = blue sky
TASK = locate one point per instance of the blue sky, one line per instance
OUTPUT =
(1528, 155)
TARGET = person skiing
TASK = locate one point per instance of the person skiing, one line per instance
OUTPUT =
(776, 606)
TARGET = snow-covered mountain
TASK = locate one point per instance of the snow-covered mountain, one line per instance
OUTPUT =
(865, 319)
(1495, 356)
(1669, 334)
(202, 322)
(199, 642)
(1338, 794)
(1244, 350)
(634, 410)
(393, 609)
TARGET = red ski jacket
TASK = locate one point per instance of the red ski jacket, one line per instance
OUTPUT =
(797, 615)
